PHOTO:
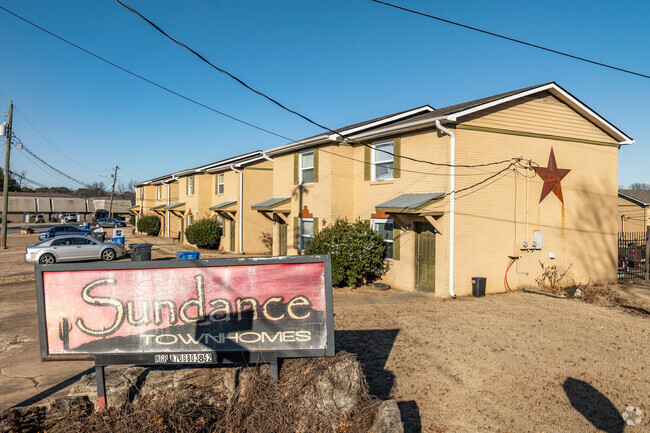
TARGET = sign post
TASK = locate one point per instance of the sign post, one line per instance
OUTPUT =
(243, 310)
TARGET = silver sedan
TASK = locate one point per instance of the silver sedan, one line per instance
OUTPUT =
(72, 248)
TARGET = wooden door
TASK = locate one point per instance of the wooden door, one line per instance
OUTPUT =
(425, 257)
(232, 235)
(282, 238)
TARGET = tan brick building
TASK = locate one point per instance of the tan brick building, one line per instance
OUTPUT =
(519, 179)
(213, 190)
(500, 185)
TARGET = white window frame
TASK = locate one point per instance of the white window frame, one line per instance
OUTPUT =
(190, 220)
(373, 223)
(190, 185)
(159, 192)
(220, 184)
(376, 163)
(303, 169)
(303, 236)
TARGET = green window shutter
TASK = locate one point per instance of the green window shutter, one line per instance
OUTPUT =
(315, 165)
(367, 166)
(397, 161)
(296, 233)
(315, 226)
(296, 168)
(397, 233)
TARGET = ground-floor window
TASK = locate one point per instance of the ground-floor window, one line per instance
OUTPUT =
(384, 226)
(190, 220)
(306, 232)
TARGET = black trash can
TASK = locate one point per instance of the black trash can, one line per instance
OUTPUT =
(478, 286)
(140, 252)
(100, 236)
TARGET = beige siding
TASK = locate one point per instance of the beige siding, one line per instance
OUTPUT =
(540, 114)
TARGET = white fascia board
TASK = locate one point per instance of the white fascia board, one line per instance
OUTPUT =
(557, 91)
(319, 139)
(228, 161)
(632, 199)
(338, 136)
(237, 163)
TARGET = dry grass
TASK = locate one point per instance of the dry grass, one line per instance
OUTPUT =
(259, 404)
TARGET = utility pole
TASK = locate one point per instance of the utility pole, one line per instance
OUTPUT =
(5, 186)
(110, 209)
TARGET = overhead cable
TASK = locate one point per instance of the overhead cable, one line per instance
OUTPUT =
(519, 41)
(145, 79)
(274, 101)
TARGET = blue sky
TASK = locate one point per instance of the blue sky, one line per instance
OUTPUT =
(337, 61)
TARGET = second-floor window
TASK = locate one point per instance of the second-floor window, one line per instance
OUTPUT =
(190, 185)
(220, 183)
(382, 161)
(307, 167)
(159, 192)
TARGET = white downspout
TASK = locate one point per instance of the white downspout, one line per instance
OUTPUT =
(452, 203)
(241, 208)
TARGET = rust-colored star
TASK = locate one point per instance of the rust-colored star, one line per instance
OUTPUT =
(552, 176)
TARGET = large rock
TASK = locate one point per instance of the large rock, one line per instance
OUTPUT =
(388, 418)
(340, 387)
(122, 386)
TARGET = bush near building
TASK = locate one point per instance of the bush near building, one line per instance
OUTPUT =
(357, 252)
(204, 233)
(149, 224)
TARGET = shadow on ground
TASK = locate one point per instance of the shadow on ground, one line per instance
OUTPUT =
(380, 380)
(594, 406)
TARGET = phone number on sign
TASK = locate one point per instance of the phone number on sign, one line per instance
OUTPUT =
(190, 358)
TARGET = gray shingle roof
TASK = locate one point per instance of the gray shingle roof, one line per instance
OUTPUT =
(640, 195)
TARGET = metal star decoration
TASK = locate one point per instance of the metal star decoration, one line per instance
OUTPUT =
(552, 176)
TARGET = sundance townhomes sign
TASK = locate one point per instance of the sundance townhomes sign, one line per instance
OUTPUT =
(190, 311)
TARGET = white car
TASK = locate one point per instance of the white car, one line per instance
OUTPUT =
(72, 248)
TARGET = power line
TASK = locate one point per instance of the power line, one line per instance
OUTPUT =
(27, 179)
(39, 165)
(348, 139)
(51, 144)
(145, 79)
(476, 29)
(23, 147)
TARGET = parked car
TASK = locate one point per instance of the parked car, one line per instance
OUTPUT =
(110, 222)
(72, 248)
(65, 229)
(68, 218)
(36, 219)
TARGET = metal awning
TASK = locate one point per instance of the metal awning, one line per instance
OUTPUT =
(179, 207)
(408, 203)
(225, 204)
(271, 205)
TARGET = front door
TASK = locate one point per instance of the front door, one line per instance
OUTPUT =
(282, 238)
(425, 257)
(232, 235)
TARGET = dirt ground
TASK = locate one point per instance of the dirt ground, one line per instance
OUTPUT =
(513, 362)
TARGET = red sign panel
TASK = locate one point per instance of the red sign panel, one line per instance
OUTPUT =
(133, 309)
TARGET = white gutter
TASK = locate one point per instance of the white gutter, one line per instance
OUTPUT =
(164, 182)
(452, 203)
(241, 208)
(265, 156)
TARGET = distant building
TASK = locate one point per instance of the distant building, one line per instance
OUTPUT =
(633, 209)
(22, 205)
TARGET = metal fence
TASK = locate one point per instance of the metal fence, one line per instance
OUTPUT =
(632, 256)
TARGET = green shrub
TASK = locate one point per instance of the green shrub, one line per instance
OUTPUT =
(149, 224)
(132, 220)
(357, 252)
(204, 233)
